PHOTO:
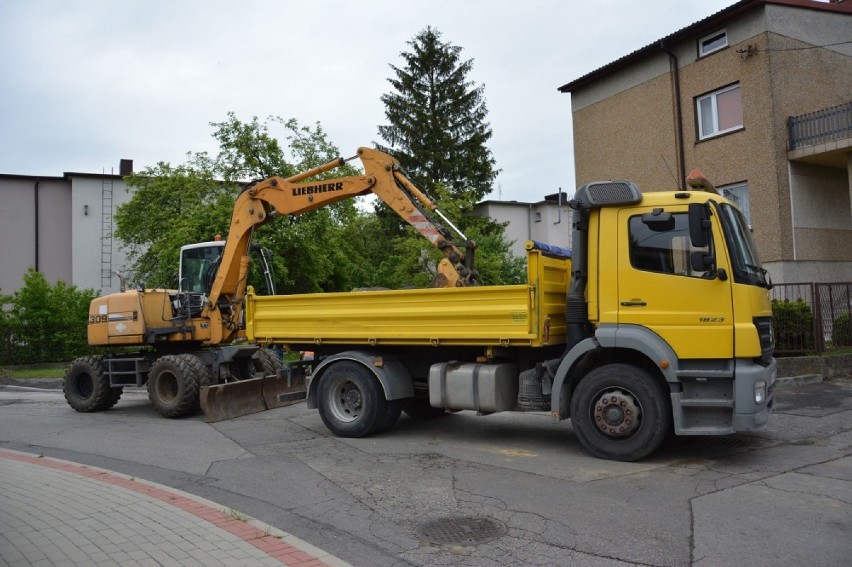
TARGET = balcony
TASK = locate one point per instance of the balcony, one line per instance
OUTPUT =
(823, 137)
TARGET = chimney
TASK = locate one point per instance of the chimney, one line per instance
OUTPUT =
(125, 168)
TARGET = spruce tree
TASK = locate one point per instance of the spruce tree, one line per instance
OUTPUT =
(437, 120)
(438, 130)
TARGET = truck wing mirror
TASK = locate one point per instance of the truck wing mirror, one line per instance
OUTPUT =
(699, 225)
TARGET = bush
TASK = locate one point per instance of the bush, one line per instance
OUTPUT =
(44, 323)
(793, 325)
(841, 331)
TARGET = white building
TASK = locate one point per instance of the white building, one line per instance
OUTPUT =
(63, 227)
(546, 221)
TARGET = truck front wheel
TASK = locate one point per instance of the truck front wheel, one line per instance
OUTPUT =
(351, 400)
(620, 412)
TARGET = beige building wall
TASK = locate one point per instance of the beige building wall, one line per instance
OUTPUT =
(630, 135)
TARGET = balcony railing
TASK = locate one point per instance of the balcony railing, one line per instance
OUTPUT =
(819, 127)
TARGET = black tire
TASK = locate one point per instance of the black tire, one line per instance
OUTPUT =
(266, 362)
(114, 395)
(620, 412)
(351, 400)
(86, 388)
(419, 408)
(394, 410)
(174, 382)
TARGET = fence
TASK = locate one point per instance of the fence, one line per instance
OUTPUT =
(811, 317)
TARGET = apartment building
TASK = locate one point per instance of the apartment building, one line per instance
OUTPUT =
(758, 97)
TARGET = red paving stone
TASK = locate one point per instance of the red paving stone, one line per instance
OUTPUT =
(260, 539)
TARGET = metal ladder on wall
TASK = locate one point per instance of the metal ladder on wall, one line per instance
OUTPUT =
(106, 230)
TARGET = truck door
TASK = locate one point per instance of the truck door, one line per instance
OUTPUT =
(660, 290)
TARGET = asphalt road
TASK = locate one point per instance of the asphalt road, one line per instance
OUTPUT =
(505, 489)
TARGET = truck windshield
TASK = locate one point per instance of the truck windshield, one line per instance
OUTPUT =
(746, 265)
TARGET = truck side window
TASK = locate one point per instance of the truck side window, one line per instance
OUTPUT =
(662, 247)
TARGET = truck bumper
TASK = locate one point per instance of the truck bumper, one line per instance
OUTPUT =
(739, 400)
(755, 394)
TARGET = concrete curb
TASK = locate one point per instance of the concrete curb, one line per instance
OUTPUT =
(789, 381)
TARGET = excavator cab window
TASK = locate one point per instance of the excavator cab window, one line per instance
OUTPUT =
(195, 263)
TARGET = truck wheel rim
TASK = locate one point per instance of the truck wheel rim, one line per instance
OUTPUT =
(346, 401)
(617, 413)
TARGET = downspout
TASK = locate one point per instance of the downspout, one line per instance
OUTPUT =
(678, 110)
(529, 221)
(35, 195)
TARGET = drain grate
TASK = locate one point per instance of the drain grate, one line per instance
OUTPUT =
(461, 530)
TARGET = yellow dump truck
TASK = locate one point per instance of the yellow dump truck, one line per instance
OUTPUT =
(658, 320)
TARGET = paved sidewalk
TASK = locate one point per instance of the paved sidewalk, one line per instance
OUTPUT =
(55, 512)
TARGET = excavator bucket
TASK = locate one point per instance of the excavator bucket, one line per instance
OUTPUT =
(227, 401)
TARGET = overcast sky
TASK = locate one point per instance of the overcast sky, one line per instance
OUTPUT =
(84, 84)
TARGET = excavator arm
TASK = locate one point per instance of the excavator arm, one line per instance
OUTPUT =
(261, 202)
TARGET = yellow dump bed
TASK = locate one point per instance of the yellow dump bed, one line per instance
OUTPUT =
(531, 314)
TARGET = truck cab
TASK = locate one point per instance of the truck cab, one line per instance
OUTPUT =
(676, 291)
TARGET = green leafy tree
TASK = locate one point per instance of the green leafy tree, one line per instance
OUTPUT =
(193, 202)
(44, 322)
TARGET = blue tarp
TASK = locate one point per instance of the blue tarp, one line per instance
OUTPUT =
(549, 249)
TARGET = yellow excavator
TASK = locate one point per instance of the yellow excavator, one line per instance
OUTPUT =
(188, 345)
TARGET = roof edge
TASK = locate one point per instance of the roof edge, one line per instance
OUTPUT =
(711, 21)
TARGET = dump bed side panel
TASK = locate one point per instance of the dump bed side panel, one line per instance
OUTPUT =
(512, 315)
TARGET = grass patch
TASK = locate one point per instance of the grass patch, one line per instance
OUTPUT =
(838, 352)
(34, 373)
(237, 515)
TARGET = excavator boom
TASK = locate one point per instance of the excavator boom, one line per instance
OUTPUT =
(262, 201)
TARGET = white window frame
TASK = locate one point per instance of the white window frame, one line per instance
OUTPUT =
(714, 113)
(703, 51)
(737, 193)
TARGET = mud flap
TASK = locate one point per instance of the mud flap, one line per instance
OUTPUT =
(227, 401)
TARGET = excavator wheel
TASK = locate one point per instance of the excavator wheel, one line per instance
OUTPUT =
(86, 388)
(173, 384)
(266, 362)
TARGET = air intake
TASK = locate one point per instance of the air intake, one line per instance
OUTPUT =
(604, 193)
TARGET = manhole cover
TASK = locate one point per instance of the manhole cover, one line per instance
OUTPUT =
(461, 530)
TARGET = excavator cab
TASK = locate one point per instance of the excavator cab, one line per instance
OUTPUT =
(198, 265)
(197, 261)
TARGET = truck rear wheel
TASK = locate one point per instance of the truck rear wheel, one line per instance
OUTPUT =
(86, 388)
(351, 400)
(173, 384)
(620, 412)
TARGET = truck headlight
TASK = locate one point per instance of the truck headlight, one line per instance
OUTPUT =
(759, 391)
